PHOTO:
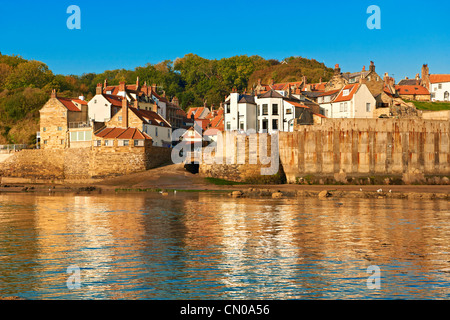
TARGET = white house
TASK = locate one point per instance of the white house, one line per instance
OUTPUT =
(440, 87)
(102, 107)
(268, 112)
(352, 101)
(240, 113)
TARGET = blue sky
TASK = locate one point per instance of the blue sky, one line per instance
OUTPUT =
(120, 34)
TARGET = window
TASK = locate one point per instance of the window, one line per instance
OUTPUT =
(168, 133)
(275, 124)
(241, 125)
(440, 85)
(59, 128)
(367, 107)
(228, 125)
(227, 108)
(345, 107)
(62, 141)
(126, 143)
(120, 118)
(259, 110)
(45, 141)
(265, 125)
(138, 143)
(98, 143)
(289, 111)
(265, 109)
(44, 129)
(346, 92)
(275, 109)
(108, 143)
(341, 107)
(156, 131)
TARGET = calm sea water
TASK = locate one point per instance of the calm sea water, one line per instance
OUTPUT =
(210, 246)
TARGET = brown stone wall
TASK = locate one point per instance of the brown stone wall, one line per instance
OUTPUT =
(52, 116)
(244, 164)
(82, 163)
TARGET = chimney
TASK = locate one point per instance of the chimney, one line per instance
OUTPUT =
(372, 66)
(155, 108)
(106, 83)
(99, 89)
(154, 87)
(364, 69)
(138, 84)
(175, 101)
(271, 82)
(125, 113)
(136, 104)
(259, 81)
(221, 105)
(54, 93)
(320, 81)
(304, 80)
(337, 70)
(81, 98)
(122, 86)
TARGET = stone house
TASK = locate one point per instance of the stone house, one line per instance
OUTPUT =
(63, 118)
(149, 122)
(414, 92)
(112, 138)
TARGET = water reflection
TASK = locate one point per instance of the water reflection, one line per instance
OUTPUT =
(208, 246)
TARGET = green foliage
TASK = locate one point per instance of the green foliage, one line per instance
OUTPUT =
(25, 85)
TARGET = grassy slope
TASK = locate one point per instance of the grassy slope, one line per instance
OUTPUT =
(431, 106)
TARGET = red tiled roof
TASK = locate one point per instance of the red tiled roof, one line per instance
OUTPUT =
(121, 133)
(405, 90)
(329, 93)
(352, 90)
(68, 103)
(151, 117)
(296, 104)
(83, 102)
(439, 78)
(115, 100)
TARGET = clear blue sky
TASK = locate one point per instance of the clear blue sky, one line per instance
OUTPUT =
(126, 34)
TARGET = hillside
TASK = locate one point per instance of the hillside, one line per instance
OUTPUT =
(25, 85)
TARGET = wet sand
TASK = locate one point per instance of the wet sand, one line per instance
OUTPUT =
(175, 177)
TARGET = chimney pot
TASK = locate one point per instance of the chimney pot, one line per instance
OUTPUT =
(99, 89)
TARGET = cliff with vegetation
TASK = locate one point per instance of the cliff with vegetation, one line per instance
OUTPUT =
(25, 85)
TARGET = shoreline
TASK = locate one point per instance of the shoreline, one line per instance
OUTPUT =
(429, 192)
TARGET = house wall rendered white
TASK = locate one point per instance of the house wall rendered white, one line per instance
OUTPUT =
(361, 98)
(438, 94)
(99, 109)
(159, 134)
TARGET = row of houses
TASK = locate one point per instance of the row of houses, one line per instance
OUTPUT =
(364, 94)
(117, 116)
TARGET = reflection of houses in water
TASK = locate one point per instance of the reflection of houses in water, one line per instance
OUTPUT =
(94, 233)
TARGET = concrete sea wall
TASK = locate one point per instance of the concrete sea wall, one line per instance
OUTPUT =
(347, 148)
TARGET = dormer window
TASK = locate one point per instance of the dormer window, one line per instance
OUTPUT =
(346, 92)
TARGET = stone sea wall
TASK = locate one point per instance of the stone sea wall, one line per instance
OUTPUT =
(359, 151)
(80, 164)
